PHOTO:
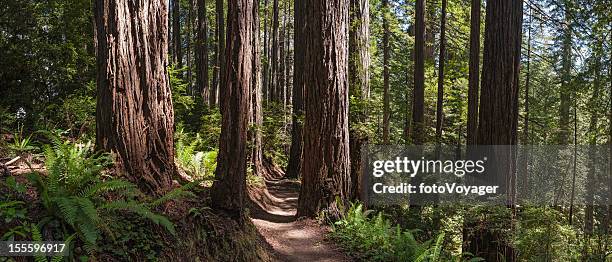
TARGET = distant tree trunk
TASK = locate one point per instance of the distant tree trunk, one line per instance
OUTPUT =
(418, 105)
(281, 62)
(498, 117)
(295, 152)
(359, 85)
(593, 130)
(256, 109)
(177, 59)
(474, 74)
(202, 51)
(440, 102)
(566, 65)
(134, 114)
(216, 91)
(527, 84)
(326, 170)
(189, 24)
(385, 41)
(274, 89)
(608, 219)
(229, 189)
(266, 64)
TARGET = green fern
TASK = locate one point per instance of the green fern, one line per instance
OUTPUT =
(73, 193)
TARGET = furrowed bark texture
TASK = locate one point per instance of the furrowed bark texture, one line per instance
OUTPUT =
(418, 97)
(297, 123)
(134, 104)
(326, 167)
(498, 119)
(359, 78)
(474, 72)
(229, 188)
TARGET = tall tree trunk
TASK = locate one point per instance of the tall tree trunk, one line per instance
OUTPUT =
(295, 152)
(326, 170)
(134, 114)
(281, 61)
(566, 65)
(266, 52)
(474, 74)
(202, 51)
(177, 59)
(359, 86)
(189, 24)
(593, 130)
(525, 151)
(441, 60)
(498, 117)
(229, 189)
(216, 91)
(385, 42)
(274, 89)
(256, 109)
(418, 105)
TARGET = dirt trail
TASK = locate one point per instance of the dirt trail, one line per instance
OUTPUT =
(292, 240)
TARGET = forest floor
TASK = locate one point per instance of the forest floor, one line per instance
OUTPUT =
(273, 213)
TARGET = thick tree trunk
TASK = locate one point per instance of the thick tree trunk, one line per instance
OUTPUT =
(229, 189)
(295, 152)
(385, 42)
(134, 114)
(359, 86)
(326, 170)
(216, 91)
(256, 109)
(418, 96)
(441, 60)
(474, 74)
(202, 51)
(498, 117)
(177, 58)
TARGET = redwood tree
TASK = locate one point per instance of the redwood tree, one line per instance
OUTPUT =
(294, 165)
(359, 85)
(202, 50)
(418, 97)
(385, 43)
(325, 171)
(229, 189)
(498, 117)
(134, 115)
(474, 72)
(177, 57)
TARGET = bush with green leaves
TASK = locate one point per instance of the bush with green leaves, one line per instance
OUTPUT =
(78, 198)
(374, 238)
(198, 164)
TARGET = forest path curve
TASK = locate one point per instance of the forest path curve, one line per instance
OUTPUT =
(273, 214)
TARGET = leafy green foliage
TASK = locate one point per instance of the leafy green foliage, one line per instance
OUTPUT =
(73, 193)
(197, 164)
(374, 238)
(276, 132)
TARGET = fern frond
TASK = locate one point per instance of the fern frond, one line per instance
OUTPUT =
(177, 193)
(68, 209)
(109, 186)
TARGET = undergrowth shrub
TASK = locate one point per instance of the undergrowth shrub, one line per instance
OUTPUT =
(198, 164)
(277, 132)
(373, 237)
(79, 200)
